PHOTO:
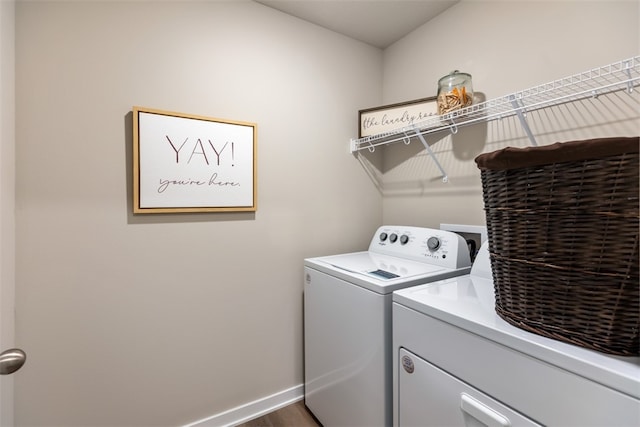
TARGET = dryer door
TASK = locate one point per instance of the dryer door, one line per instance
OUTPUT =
(428, 396)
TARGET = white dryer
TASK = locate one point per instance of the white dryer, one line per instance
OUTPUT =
(457, 363)
(347, 319)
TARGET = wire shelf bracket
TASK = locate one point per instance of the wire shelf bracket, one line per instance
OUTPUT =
(518, 107)
(445, 178)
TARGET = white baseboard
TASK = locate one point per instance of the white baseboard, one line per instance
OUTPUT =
(251, 410)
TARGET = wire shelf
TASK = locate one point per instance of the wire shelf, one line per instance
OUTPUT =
(621, 75)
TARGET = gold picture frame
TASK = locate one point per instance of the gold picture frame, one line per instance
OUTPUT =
(190, 163)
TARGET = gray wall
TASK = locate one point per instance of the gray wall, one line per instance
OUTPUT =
(163, 320)
(506, 47)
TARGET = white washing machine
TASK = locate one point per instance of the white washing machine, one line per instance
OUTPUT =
(457, 363)
(347, 319)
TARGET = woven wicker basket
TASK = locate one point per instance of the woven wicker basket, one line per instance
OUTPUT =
(563, 225)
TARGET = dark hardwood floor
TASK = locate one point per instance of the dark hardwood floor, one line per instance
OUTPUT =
(294, 415)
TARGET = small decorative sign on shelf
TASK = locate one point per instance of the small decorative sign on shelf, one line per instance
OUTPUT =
(374, 121)
(188, 163)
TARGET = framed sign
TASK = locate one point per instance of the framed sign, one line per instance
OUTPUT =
(187, 163)
(374, 121)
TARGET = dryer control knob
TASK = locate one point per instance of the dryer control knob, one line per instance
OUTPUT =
(393, 238)
(433, 243)
(404, 239)
(383, 237)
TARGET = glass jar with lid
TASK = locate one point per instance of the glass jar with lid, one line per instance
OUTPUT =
(455, 91)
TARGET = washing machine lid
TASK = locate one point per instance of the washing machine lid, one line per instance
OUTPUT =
(468, 302)
(381, 273)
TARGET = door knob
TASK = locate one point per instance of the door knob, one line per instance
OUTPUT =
(11, 360)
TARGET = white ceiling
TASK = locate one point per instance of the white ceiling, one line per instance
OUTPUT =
(379, 23)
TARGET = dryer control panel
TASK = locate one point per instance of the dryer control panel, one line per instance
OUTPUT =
(433, 246)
